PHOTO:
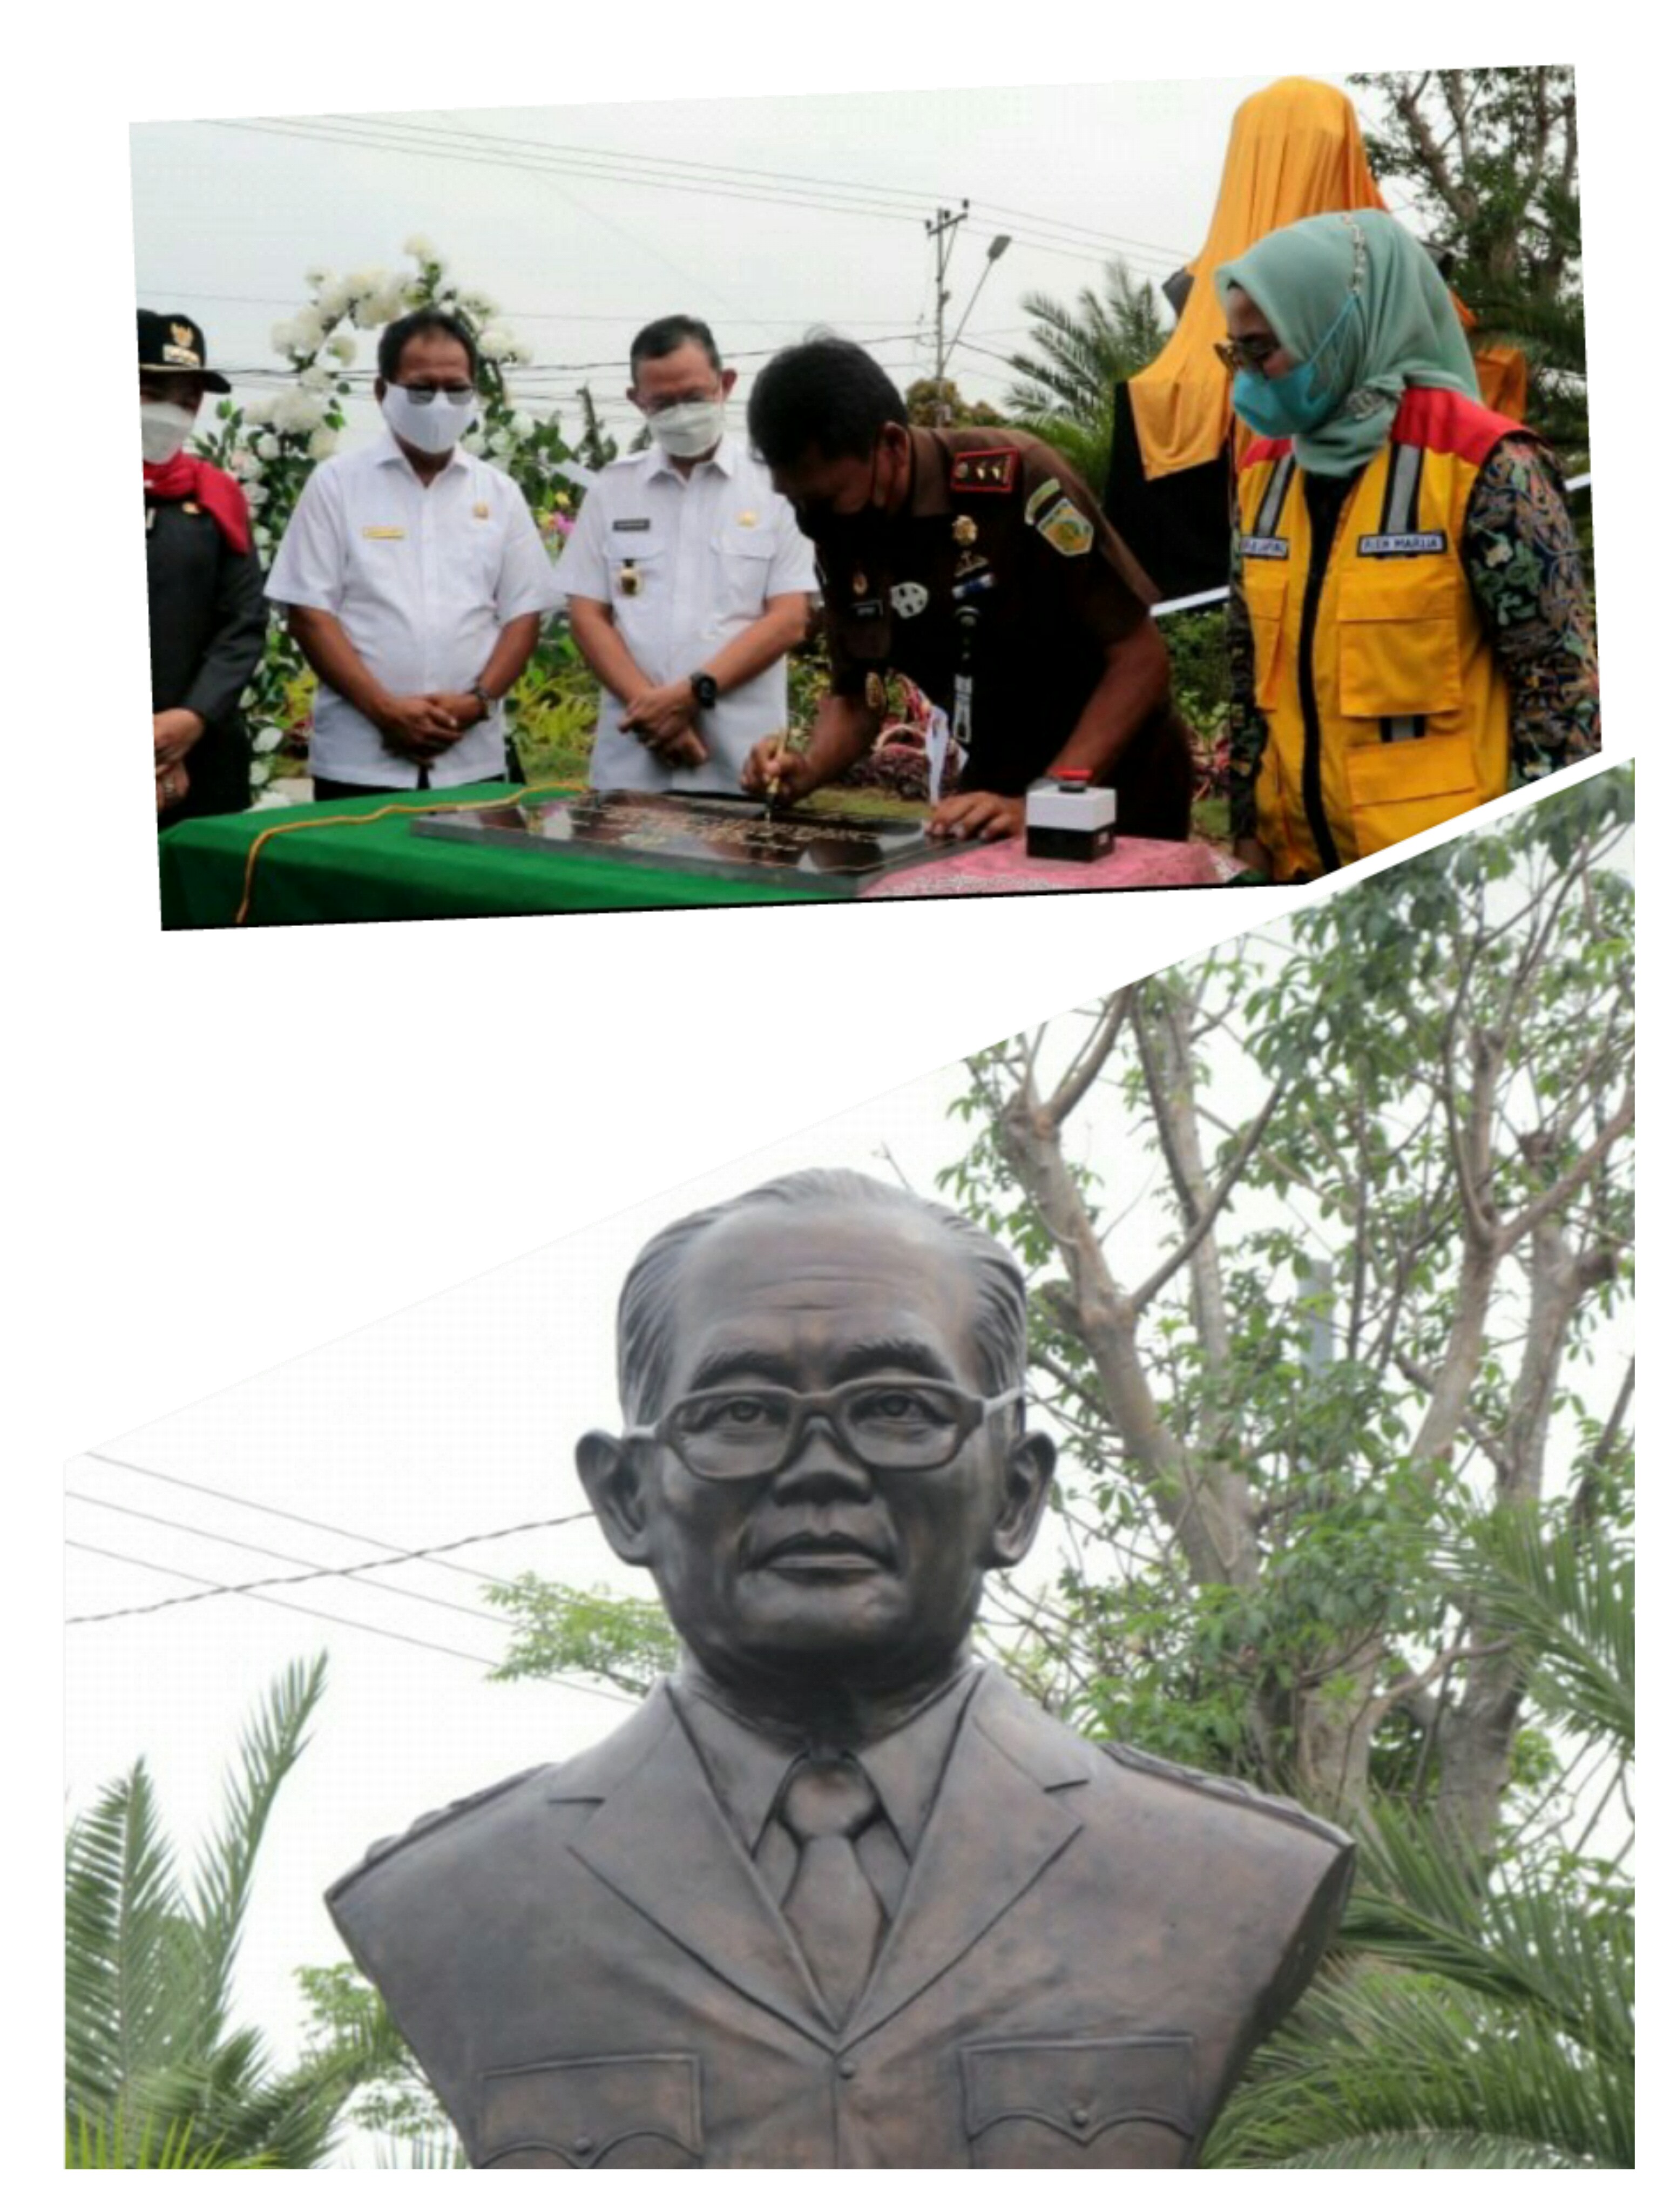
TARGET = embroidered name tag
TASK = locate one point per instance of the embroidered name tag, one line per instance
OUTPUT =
(382, 530)
(1401, 545)
(634, 522)
(1263, 549)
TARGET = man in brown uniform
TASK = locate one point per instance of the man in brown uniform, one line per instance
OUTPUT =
(976, 562)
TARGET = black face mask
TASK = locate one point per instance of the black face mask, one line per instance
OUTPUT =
(818, 519)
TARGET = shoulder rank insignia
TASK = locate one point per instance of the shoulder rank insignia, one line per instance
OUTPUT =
(993, 469)
(1225, 1787)
(1065, 529)
(1039, 499)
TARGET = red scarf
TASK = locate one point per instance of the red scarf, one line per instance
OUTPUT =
(216, 492)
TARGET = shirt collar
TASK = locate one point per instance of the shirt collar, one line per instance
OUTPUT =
(747, 1769)
(389, 450)
(726, 457)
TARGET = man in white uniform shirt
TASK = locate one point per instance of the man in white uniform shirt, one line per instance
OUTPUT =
(416, 582)
(688, 582)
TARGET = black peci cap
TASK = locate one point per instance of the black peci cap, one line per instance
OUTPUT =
(174, 342)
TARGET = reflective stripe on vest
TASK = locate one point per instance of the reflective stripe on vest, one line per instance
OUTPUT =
(1411, 706)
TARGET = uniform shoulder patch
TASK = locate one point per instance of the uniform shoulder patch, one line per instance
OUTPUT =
(1048, 490)
(1231, 1792)
(1066, 528)
(992, 468)
(427, 1822)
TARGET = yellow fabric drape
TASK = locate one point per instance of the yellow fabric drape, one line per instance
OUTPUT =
(1295, 149)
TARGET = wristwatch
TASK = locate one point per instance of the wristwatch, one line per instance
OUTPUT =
(704, 689)
(486, 700)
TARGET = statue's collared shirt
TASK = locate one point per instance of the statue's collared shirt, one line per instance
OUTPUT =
(748, 1771)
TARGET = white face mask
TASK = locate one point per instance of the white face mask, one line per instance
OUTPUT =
(163, 429)
(689, 430)
(434, 427)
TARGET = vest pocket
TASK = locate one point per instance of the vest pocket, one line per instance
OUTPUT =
(1399, 651)
(1400, 789)
(639, 2111)
(1265, 586)
(1117, 2101)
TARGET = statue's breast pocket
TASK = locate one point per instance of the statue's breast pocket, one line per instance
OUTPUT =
(639, 2111)
(1123, 2101)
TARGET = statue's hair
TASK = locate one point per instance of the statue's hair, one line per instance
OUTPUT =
(647, 1307)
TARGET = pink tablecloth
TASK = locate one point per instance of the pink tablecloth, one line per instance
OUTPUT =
(1134, 864)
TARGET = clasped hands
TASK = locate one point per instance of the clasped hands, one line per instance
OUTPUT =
(662, 718)
(423, 725)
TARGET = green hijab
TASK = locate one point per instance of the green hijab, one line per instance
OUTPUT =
(1402, 327)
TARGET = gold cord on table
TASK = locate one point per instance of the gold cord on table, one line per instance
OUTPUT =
(379, 813)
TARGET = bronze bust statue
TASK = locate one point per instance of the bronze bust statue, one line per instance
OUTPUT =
(835, 1895)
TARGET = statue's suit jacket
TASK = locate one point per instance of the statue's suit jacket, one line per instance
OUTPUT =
(592, 1973)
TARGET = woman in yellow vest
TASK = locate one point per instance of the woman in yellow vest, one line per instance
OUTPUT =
(1409, 633)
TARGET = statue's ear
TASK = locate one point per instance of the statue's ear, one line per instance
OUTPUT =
(607, 1469)
(1029, 1470)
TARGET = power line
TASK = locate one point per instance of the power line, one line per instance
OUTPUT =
(316, 1571)
(343, 1620)
(661, 165)
(330, 1528)
(518, 314)
(401, 138)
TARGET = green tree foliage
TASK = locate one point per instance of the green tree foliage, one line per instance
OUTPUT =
(559, 1630)
(1489, 159)
(1395, 1145)
(1074, 356)
(932, 404)
(155, 2070)
(1471, 2019)
(349, 2026)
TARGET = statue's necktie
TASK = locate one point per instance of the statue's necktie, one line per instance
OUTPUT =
(830, 1904)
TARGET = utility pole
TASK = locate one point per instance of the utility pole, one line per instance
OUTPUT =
(942, 234)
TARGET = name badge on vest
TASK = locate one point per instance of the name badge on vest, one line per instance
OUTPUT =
(1264, 549)
(1401, 544)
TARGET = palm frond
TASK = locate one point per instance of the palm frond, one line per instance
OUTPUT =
(1461, 2147)
(122, 1954)
(1377, 2055)
(89, 2143)
(1077, 353)
(1569, 1599)
(270, 1749)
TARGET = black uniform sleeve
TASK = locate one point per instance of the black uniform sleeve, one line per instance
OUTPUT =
(235, 647)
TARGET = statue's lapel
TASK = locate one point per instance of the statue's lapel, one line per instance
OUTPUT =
(660, 1840)
(996, 1824)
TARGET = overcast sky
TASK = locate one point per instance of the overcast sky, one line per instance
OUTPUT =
(820, 219)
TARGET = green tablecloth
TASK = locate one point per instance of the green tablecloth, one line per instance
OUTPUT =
(384, 871)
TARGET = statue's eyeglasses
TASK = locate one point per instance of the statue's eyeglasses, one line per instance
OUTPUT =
(735, 1435)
